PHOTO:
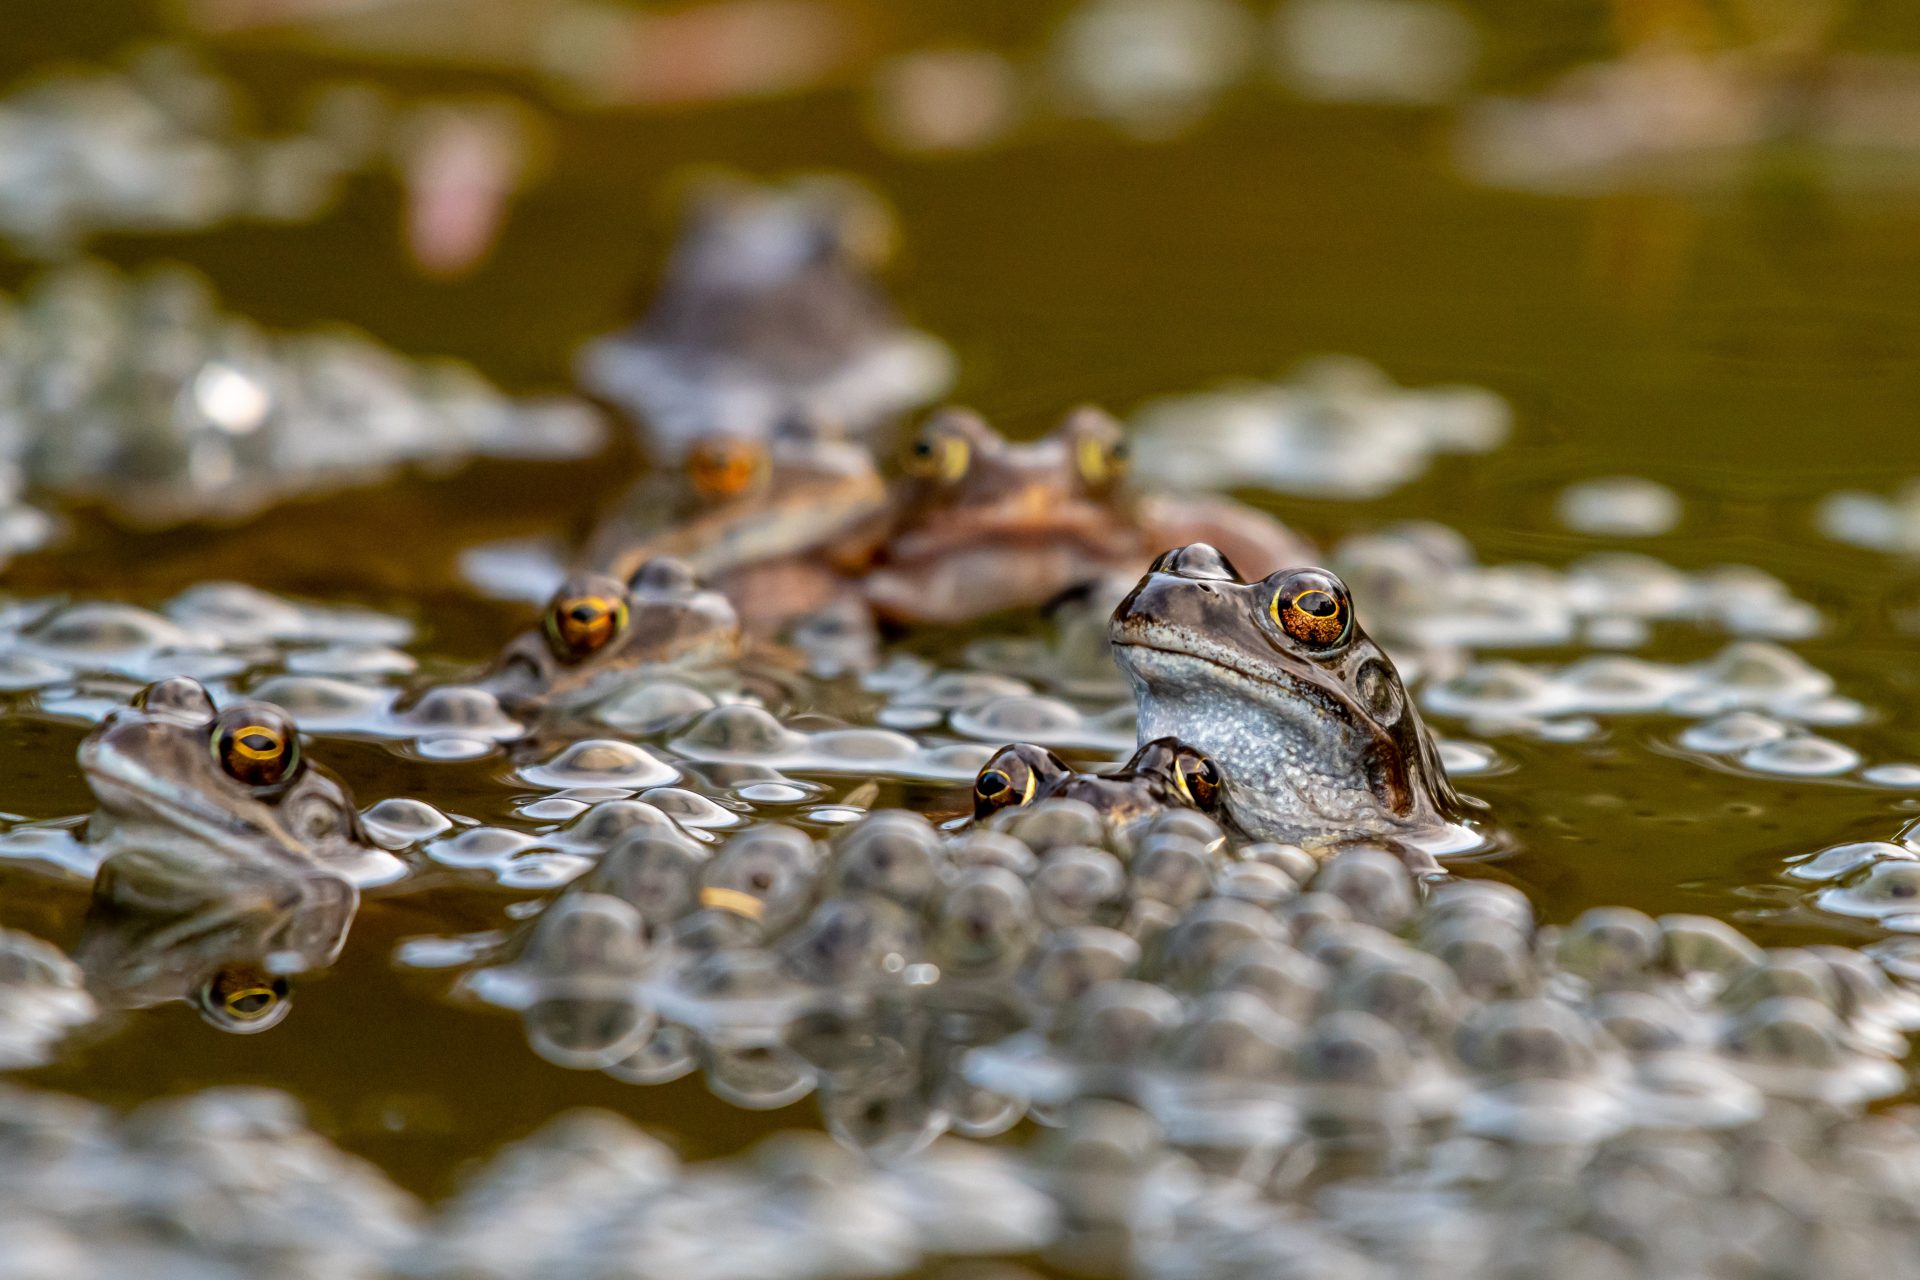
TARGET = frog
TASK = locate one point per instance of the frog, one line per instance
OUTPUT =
(1164, 773)
(769, 305)
(982, 525)
(780, 526)
(598, 633)
(229, 861)
(1276, 680)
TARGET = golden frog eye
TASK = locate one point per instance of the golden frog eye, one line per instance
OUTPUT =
(725, 468)
(1312, 607)
(1198, 778)
(1102, 460)
(244, 999)
(938, 455)
(579, 626)
(256, 746)
(1005, 783)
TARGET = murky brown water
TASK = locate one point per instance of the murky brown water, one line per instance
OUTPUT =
(1754, 349)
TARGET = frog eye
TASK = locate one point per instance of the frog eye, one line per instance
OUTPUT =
(244, 999)
(725, 468)
(1313, 608)
(579, 626)
(1006, 782)
(256, 746)
(1198, 778)
(938, 455)
(1102, 463)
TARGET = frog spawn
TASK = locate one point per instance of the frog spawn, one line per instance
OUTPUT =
(1255, 1005)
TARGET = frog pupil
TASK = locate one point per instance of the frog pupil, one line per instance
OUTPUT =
(1317, 603)
(992, 783)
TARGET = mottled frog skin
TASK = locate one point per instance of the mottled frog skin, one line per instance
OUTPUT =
(230, 860)
(599, 632)
(1276, 681)
(982, 524)
(1162, 774)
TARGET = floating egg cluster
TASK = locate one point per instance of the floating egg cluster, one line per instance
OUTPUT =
(1338, 428)
(1255, 1004)
(1890, 524)
(142, 393)
(43, 996)
(231, 1182)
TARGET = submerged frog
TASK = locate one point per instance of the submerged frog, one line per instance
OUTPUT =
(983, 525)
(778, 525)
(231, 861)
(598, 633)
(1278, 683)
(1164, 773)
(769, 307)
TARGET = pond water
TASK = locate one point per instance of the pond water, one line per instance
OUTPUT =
(1749, 344)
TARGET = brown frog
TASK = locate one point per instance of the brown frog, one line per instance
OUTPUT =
(981, 524)
(768, 307)
(1276, 681)
(598, 633)
(780, 526)
(1164, 773)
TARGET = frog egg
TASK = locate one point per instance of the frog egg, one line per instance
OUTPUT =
(974, 1112)
(606, 823)
(1618, 506)
(587, 934)
(1233, 1034)
(1342, 945)
(1299, 865)
(1615, 685)
(481, 848)
(1527, 1039)
(1731, 733)
(1784, 971)
(895, 854)
(1373, 883)
(1866, 992)
(323, 705)
(1311, 911)
(669, 1053)
(1706, 948)
(1291, 984)
(1488, 900)
(985, 922)
(1787, 1031)
(1411, 991)
(1172, 870)
(1839, 861)
(1046, 722)
(1498, 691)
(657, 872)
(1803, 755)
(400, 823)
(600, 762)
(1119, 1023)
(458, 710)
(1074, 884)
(1490, 959)
(1054, 824)
(1760, 675)
(888, 1118)
(756, 1077)
(1641, 1022)
(1185, 824)
(848, 942)
(993, 849)
(765, 858)
(653, 706)
(1071, 961)
(1189, 953)
(1610, 946)
(1259, 883)
(1353, 1049)
(740, 731)
(587, 1030)
(1888, 893)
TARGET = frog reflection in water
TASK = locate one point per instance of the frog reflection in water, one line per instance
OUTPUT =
(1164, 773)
(598, 633)
(778, 526)
(230, 861)
(1276, 681)
(983, 525)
